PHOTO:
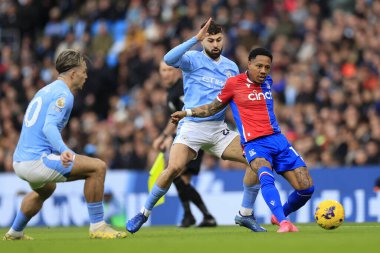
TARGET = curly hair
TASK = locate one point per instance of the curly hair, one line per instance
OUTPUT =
(214, 28)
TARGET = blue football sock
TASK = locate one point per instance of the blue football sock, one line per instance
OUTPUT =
(297, 199)
(249, 195)
(155, 194)
(96, 212)
(20, 221)
(270, 192)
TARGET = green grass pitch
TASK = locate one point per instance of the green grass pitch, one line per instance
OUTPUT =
(350, 237)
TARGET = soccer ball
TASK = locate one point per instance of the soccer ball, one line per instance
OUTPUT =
(329, 214)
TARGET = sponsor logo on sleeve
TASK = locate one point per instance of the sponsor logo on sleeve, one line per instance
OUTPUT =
(60, 103)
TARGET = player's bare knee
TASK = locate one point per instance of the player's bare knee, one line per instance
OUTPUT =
(101, 168)
(304, 178)
(307, 184)
(257, 163)
(174, 170)
(45, 192)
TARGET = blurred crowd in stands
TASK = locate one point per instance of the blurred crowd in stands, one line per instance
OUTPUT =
(325, 69)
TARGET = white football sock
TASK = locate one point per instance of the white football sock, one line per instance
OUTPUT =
(96, 226)
(245, 211)
(146, 212)
(15, 233)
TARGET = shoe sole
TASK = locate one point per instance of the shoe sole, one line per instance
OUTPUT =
(24, 238)
(207, 225)
(108, 236)
(240, 224)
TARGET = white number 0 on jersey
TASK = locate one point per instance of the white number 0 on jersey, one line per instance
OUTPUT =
(31, 120)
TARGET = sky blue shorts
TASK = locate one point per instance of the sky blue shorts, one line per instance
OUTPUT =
(45, 170)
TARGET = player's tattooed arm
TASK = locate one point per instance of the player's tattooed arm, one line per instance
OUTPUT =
(200, 112)
(208, 110)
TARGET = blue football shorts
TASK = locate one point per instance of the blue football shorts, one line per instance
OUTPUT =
(275, 149)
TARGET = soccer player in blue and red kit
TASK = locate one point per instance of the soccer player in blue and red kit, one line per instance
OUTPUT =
(265, 147)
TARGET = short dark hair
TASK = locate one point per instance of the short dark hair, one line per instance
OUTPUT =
(214, 28)
(68, 59)
(259, 51)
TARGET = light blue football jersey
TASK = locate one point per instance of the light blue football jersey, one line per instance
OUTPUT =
(47, 114)
(203, 77)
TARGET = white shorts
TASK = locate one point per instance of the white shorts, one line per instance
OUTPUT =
(40, 172)
(211, 136)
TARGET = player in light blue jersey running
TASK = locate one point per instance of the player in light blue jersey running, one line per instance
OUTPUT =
(42, 158)
(204, 75)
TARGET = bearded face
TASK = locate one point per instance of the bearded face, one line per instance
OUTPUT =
(214, 53)
(213, 45)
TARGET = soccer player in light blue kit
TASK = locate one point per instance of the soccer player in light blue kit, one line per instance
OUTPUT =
(42, 158)
(204, 75)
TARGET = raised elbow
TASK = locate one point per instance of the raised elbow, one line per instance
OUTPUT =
(169, 60)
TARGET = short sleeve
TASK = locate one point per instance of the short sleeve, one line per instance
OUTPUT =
(227, 92)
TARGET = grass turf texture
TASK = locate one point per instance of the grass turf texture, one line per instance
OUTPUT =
(350, 237)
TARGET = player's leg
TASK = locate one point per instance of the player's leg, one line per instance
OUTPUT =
(180, 155)
(188, 218)
(245, 216)
(193, 168)
(93, 171)
(251, 189)
(195, 197)
(260, 154)
(271, 194)
(303, 189)
(268, 189)
(290, 165)
(30, 206)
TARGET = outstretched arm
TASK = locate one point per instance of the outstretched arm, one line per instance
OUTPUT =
(200, 111)
(174, 56)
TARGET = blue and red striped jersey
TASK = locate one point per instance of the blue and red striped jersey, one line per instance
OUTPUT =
(251, 105)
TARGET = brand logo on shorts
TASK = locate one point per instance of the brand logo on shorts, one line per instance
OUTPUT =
(226, 131)
(252, 152)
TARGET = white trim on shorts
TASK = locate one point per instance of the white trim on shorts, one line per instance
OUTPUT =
(36, 173)
(211, 136)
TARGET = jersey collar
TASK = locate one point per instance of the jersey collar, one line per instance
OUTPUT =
(249, 80)
(252, 82)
